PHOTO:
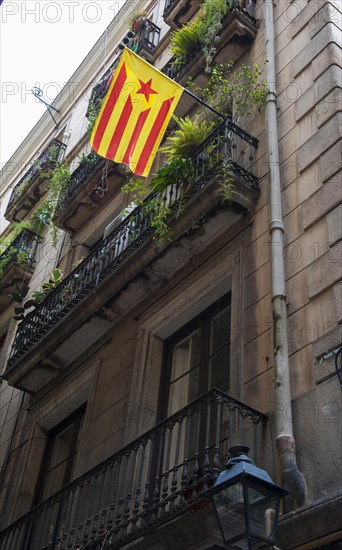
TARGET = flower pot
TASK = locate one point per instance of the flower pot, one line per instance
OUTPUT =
(202, 486)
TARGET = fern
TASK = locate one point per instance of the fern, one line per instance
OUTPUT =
(187, 138)
(186, 40)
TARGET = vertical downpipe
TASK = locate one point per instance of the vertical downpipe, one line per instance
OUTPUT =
(285, 442)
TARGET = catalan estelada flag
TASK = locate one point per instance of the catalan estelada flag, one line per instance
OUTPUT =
(135, 113)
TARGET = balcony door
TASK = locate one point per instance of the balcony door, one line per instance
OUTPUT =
(57, 470)
(197, 358)
(61, 452)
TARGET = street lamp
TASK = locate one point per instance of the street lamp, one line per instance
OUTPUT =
(246, 502)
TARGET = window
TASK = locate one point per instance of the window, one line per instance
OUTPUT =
(58, 466)
(198, 357)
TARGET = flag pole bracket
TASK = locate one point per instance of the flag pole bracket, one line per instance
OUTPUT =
(37, 92)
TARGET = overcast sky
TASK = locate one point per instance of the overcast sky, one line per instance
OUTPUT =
(41, 44)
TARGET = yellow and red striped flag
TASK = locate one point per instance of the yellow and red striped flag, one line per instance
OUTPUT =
(135, 114)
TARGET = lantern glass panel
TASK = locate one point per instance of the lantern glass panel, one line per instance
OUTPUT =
(230, 508)
(263, 505)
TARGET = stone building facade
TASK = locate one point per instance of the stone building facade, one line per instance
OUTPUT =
(124, 388)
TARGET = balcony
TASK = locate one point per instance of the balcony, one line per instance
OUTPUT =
(178, 12)
(17, 264)
(155, 479)
(237, 33)
(120, 272)
(143, 42)
(93, 182)
(34, 183)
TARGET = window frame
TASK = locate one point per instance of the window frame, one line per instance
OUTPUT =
(201, 320)
(74, 418)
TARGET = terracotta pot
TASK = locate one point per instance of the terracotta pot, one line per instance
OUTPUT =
(137, 24)
(201, 505)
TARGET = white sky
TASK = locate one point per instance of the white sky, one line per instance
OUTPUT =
(41, 44)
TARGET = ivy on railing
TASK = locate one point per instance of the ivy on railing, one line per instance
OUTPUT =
(85, 169)
(49, 157)
(21, 250)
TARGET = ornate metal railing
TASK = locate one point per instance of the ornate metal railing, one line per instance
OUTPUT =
(245, 6)
(147, 37)
(228, 146)
(26, 244)
(78, 178)
(174, 69)
(49, 156)
(169, 5)
(156, 477)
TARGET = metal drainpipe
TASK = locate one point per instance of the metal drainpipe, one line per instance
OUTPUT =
(285, 442)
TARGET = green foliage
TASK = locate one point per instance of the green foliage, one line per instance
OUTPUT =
(20, 190)
(186, 139)
(41, 217)
(55, 279)
(22, 258)
(178, 170)
(59, 180)
(136, 188)
(18, 298)
(213, 11)
(226, 190)
(54, 152)
(7, 251)
(15, 228)
(159, 223)
(202, 33)
(186, 40)
(38, 296)
(179, 148)
(88, 159)
(92, 113)
(5, 259)
(234, 92)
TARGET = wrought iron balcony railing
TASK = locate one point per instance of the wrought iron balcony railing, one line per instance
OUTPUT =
(78, 177)
(158, 476)
(23, 248)
(227, 145)
(147, 37)
(49, 157)
(245, 6)
(176, 70)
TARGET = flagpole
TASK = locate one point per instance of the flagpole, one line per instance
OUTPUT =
(205, 104)
(195, 97)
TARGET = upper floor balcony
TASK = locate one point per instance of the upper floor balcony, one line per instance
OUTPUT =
(31, 187)
(142, 41)
(178, 12)
(93, 182)
(16, 264)
(157, 478)
(51, 336)
(239, 28)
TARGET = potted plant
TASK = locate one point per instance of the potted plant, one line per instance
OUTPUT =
(137, 20)
(195, 486)
(186, 41)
